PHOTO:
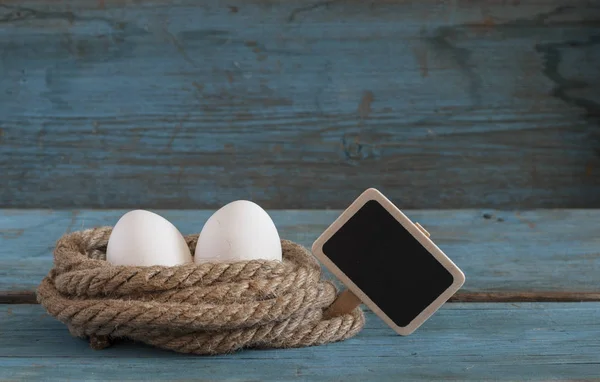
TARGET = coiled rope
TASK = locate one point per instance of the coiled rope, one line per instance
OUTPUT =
(210, 308)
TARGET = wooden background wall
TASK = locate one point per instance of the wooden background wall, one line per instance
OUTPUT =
(299, 103)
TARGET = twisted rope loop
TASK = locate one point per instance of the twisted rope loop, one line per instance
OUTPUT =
(210, 308)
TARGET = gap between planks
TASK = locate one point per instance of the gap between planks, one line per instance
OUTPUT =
(28, 297)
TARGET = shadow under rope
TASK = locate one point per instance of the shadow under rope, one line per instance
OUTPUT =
(29, 297)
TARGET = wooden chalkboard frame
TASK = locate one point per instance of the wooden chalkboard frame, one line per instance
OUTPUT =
(416, 231)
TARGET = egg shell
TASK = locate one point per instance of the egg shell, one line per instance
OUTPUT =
(143, 238)
(239, 231)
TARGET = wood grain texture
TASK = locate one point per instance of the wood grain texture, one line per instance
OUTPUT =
(506, 256)
(461, 342)
(295, 104)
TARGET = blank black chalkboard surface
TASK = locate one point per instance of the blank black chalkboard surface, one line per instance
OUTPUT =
(388, 262)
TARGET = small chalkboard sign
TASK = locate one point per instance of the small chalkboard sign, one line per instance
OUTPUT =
(388, 262)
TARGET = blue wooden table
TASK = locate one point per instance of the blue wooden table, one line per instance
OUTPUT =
(481, 116)
(530, 308)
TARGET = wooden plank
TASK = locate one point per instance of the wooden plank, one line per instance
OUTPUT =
(186, 104)
(545, 255)
(462, 341)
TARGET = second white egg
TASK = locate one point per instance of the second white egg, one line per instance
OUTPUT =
(239, 231)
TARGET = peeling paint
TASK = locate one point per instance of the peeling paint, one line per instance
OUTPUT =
(12, 233)
(364, 107)
(421, 56)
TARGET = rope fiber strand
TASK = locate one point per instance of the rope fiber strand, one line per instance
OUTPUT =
(211, 308)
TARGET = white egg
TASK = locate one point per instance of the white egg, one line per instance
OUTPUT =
(144, 238)
(239, 231)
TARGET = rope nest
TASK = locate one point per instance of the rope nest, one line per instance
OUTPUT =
(210, 308)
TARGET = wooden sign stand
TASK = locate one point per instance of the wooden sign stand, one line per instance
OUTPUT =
(387, 262)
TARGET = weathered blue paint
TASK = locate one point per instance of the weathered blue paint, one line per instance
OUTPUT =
(522, 341)
(180, 104)
(500, 251)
